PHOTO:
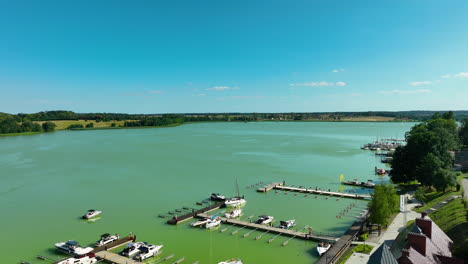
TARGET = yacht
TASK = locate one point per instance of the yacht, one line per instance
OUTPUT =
(72, 247)
(287, 224)
(264, 219)
(235, 202)
(91, 213)
(213, 223)
(217, 197)
(89, 259)
(232, 261)
(106, 239)
(201, 222)
(132, 249)
(148, 251)
(322, 247)
(234, 213)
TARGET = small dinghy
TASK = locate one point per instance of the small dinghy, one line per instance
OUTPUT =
(323, 247)
(91, 213)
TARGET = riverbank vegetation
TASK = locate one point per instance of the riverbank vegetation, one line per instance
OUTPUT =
(428, 155)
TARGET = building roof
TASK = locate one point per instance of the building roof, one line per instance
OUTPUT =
(382, 255)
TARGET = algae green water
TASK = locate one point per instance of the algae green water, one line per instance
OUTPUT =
(48, 181)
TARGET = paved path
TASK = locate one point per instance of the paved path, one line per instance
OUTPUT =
(388, 236)
(465, 188)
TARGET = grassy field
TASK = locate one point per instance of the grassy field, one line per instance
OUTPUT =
(359, 248)
(20, 134)
(368, 119)
(63, 124)
(435, 198)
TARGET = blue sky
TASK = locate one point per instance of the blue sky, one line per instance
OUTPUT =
(155, 56)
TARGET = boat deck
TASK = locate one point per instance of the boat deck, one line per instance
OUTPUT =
(277, 230)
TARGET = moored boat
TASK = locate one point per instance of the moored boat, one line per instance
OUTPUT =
(234, 213)
(106, 239)
(217, 197)
(322, 247)
(287, 224)
(235, 202)
(201, 222)
(72, 247)
(132, 249)
(148, 251)
(214, 222)
(232, 261)
(264, 220)
(88, 259)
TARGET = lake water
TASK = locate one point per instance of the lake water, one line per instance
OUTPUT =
(133, 175)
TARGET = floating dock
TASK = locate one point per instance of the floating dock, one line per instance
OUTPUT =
(311, 191)
(115, 258)
(181, 218)
(277, 230)
(119, 242)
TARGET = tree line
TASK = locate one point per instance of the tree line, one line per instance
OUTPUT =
(9, 125)
(428, 155)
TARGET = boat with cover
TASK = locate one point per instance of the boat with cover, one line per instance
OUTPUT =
(132, 249)
(264, 220)
(88, 259)
(214, 222)
(106, 239)
(217, 197)
(322, 247)
(232, 261)
(287, 224)
(148, 251)
(72, 247)
(234, 213)
(91, 213)
(201, 222)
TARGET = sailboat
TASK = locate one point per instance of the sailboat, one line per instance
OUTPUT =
(235, 201)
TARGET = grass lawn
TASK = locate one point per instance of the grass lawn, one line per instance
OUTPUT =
(359, 248)
(20, 134)
(435, 198)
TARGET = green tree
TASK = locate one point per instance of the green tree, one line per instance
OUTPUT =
(48, 126)
(384, 202)
(464, 132)
(113, 125)
(444, 178)
(90, 125)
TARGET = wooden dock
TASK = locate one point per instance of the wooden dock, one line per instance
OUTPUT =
(276, 230)
(181, 218)
(119, 242)
(115, 258)
(272, 186)
(340, 247)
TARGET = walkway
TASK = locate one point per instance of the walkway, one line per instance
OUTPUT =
(388, 236)
(115, 258)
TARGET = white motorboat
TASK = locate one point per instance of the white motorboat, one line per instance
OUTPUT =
(287, 224)
(213, 223)
(232, 261)
(201, 222)
(89, 259)
(235, 202)
(106, 239)
(234, 213)
(148, 251)
(322, 247)
(72, 247)
(132, 249)
(264, 219)
(91, 213)
(217, 197)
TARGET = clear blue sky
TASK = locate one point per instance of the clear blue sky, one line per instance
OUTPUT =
(156, 56)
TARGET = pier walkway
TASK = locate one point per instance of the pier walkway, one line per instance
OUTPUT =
(311, 191)
(115, 258)
(335, 252)
(119, 242)
(178, 219)
(277, 230)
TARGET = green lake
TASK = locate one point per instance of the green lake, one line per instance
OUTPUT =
(133, 175)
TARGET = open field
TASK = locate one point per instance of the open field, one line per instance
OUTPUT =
(63, 124)
(368, 119)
